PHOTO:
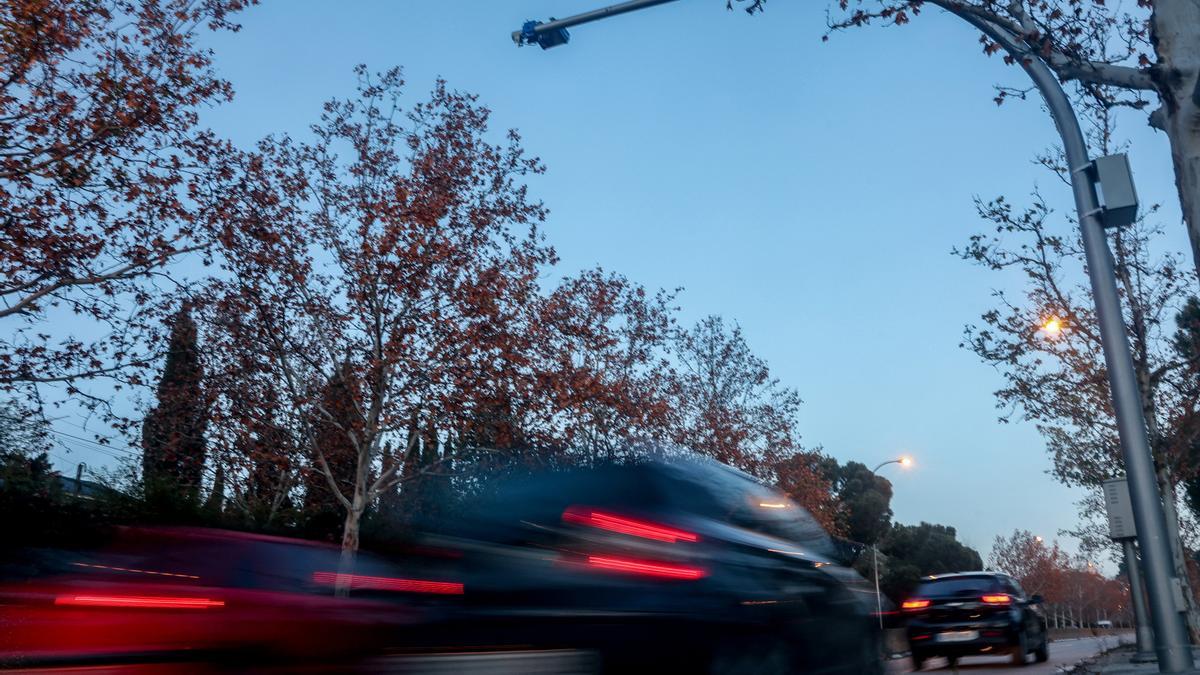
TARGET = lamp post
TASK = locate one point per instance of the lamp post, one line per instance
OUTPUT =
(1112, 173)
(904, 461)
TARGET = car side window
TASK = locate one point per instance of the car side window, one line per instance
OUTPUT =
(1014, 589)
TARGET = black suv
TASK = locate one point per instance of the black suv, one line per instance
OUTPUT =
(974, 614)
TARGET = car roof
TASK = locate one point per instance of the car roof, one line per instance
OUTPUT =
(961, 575)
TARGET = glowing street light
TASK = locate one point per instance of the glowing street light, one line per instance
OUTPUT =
(905, 461)
(1052, 327)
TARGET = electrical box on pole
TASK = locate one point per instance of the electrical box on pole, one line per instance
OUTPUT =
(1114, 182)
(1120, 510)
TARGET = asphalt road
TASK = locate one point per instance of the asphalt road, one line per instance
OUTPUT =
(1062, 653)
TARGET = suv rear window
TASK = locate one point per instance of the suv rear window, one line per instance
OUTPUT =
(955, 586)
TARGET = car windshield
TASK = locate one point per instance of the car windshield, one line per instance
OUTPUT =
(958, 586)
(731, 496)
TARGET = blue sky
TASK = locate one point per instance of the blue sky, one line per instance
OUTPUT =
(812, 191)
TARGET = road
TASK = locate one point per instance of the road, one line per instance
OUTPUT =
(1062, 653)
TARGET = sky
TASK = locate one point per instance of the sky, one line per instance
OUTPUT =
(812, 191)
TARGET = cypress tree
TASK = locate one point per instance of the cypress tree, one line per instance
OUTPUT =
(173, 445)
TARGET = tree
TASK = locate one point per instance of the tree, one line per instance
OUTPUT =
(1112, 56)
(1039, 568)
(865, 513)
(915, 551)
(726, 402)
(22, 431)
(803, 477)
(252, 436)
(399, 245)
(1055, 375)
(105, 179)
(599, 379)
(334, 424)
(173, 443)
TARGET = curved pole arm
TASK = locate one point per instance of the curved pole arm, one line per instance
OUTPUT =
(883, 464)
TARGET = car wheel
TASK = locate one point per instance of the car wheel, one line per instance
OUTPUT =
(1042, 653)
(746, 656)
(1020, 650)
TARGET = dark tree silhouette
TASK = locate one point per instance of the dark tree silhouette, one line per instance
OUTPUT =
(173, 445)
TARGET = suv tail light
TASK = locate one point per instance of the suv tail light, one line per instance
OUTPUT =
(587, 516)
(913, 605)
(998, 599)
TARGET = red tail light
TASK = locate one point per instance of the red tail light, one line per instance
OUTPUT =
(362, 582)
(999, 599)
(912, 605)
(646, 568)
(582, 515)
(139, 601)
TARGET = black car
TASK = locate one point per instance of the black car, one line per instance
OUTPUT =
(687, 566)
(974, 613)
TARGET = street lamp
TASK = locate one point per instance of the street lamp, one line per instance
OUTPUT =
(904, 461)
(1111, 176)
(1052, 327)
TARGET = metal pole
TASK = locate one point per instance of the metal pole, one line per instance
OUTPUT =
(1170, 632)
(1145, 638)
(594, 15)
(875, 551)
(883, 464)
(878, 599)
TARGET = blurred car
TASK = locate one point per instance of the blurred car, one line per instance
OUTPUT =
(190, 597)
(974, 613)
(658, 566)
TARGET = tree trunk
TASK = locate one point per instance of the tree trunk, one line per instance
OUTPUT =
(1176, 35)
(349, 549)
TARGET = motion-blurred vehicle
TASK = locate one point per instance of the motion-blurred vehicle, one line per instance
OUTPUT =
(188, 597)
(660, 566)
(974, 613)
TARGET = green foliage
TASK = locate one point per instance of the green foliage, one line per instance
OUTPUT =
(173, 444)
(866, 501)
(915, 551)
(37, 511)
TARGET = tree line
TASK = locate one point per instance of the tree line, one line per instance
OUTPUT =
(1076, 593)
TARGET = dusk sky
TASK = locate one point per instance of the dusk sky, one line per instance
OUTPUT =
(810, 191)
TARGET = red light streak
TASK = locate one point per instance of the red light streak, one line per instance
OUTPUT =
(646, 568)
(139, 601)
(637, 528)
(363, 582)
